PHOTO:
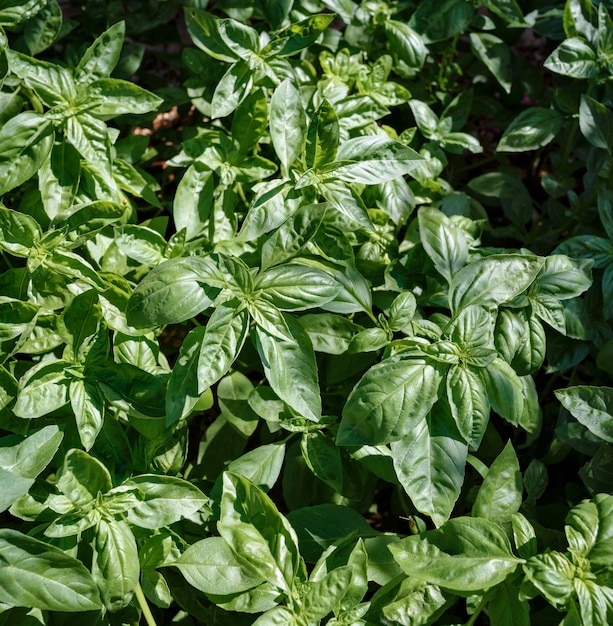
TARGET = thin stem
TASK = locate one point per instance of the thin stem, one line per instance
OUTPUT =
(142, 601)
(477, 612)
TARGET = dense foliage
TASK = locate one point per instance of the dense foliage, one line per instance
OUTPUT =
(306, 312)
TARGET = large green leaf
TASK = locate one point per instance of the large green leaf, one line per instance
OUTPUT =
(430, 464)
(37, 575)
(261, 539)
(115, 566)
(293, 287)
(371, 160)
(492, 280)
(173, 292)
(167, 499)
(287, 123)
(390, 401)
(210, 566)
(573, 57)
(500, 495)
(290, 367)
(322, 137)
(466, 554)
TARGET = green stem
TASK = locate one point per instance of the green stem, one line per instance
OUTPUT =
(142, 601)
(477, 612)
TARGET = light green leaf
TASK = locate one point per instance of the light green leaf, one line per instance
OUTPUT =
(193, 200)
(504, 390)
(173, 292)
(260, 537)
(290, 367)
(492, 280)
(210, 566)
(444, 242)
(390, 400)
(429, 462)
(287, 123)
(118, 97)
(167, 500)
(38, 575)
(500, 495)
(371, 160)
(322, 137)
(592, 407)
(293, 287)
(466, 554)
(406, 43)
(115, 566)
(82, 477)
(100, 59)
(25, 143)
(232, 89)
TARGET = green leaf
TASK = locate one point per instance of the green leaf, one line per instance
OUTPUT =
(115, 566)
(468, 402)
(82, 477)
(261, 466)
(193, 200)
(167, 500)
(100, 59)
(523, 536)
(592, 407)
(443, 20)
(323, 458)
(260, 537)
(444, 242)
(322, 137)
(390, 400)
(430, 465)
(52, 83)
(87, 402)
(43, 389)
(19, 233)
(287, 123)
(552, 573)
(507, 608)
(23, 462)
(173, 292)
(293, 287)
(210, 566)
(504, 390)
(293, 235)
(320, 526)
(406, 43)
(204, 31)
(25, 143)
(500, 495)
(38, 575)
(466, 554)
(562, 277)
(531, 129)
(118, 97)
(232, 89)
(324, 595)
(290, 367)
(596, 123)
(495, 55)
(492, 280)
(371, 160)
(573, 57)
